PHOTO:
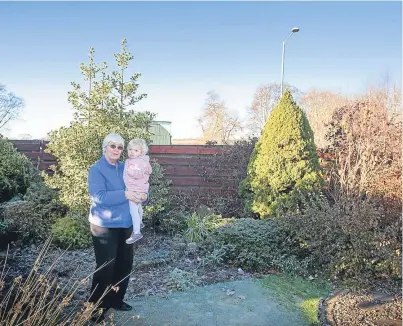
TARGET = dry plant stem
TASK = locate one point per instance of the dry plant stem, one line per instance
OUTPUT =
(40, 301)
(56, 307)
(4, 266)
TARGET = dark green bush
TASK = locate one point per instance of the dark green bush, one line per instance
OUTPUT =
(16, 171)
(157, 212)
(31, 218)
(72, 231)
(255, 245)
(170, 221)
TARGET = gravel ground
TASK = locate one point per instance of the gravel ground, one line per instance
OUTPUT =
(365, 308)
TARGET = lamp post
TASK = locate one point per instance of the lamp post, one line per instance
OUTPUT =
(294, 30)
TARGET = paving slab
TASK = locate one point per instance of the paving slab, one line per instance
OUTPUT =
(238, 303)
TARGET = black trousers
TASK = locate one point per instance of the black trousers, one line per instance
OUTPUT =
(111, 249)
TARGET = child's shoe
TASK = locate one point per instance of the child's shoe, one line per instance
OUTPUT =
(133, 238)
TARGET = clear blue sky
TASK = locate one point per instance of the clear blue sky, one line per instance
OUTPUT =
(185, 49)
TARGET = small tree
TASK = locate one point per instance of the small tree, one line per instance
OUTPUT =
(284, 166)
(99, 109)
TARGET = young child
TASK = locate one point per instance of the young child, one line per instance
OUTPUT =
(136, 174)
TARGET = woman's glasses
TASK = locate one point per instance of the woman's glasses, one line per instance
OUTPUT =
(113, 146)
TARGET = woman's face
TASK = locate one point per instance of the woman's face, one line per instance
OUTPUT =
(113, 152)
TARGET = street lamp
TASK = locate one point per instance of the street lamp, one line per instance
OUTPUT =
(294, 30)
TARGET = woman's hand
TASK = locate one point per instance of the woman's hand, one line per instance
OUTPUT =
(132, 196)
(136, 197)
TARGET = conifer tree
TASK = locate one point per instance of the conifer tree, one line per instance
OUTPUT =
(284, 166)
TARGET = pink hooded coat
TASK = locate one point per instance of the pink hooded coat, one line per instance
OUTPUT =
(137, 173)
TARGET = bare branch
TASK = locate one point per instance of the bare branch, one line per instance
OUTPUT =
(265, 99)
(319, 107)
(10, 106)
(217, 122)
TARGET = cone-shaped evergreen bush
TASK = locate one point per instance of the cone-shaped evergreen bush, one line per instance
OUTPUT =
(284, 168)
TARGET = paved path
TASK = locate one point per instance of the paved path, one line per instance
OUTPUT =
(239, 303)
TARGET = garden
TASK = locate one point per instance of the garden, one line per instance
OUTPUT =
(322, 221)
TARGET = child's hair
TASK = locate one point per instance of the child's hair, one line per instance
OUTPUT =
(137, 142)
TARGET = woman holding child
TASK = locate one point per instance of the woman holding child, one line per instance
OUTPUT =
(111, 223)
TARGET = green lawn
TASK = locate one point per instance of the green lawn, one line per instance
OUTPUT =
(297, 293)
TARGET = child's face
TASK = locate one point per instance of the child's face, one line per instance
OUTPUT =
(134, 151)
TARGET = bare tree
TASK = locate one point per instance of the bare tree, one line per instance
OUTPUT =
(265, 99)
(390, 94)
(366, 142)
(319, 107)
(10, 106)
(217, 122)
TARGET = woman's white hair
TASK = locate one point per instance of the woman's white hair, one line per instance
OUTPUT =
(137, 142)
(112, 138)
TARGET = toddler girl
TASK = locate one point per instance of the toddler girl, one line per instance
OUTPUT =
(136, 174)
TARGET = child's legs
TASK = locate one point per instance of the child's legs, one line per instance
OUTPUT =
(141, 213)
(134, 212)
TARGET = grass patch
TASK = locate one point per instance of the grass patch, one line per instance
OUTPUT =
(296, 293)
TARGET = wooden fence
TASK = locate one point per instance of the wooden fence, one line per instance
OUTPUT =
(179, 161)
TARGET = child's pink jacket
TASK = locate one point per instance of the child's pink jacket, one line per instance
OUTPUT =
(137, 173)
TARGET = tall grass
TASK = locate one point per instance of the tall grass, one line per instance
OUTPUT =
(39, 299)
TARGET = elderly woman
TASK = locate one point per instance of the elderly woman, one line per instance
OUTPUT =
(111, 225)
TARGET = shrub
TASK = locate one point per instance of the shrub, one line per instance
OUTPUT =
(16, 171)
(284, 166)
(31, 219)
(196, 230)
(182, 280)
(214, 221)
(365, 137)
(171, 221)
(255, 245)
(157, 211)
(358, 235)
(348, 240)
(201, 223)
(72, 231)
